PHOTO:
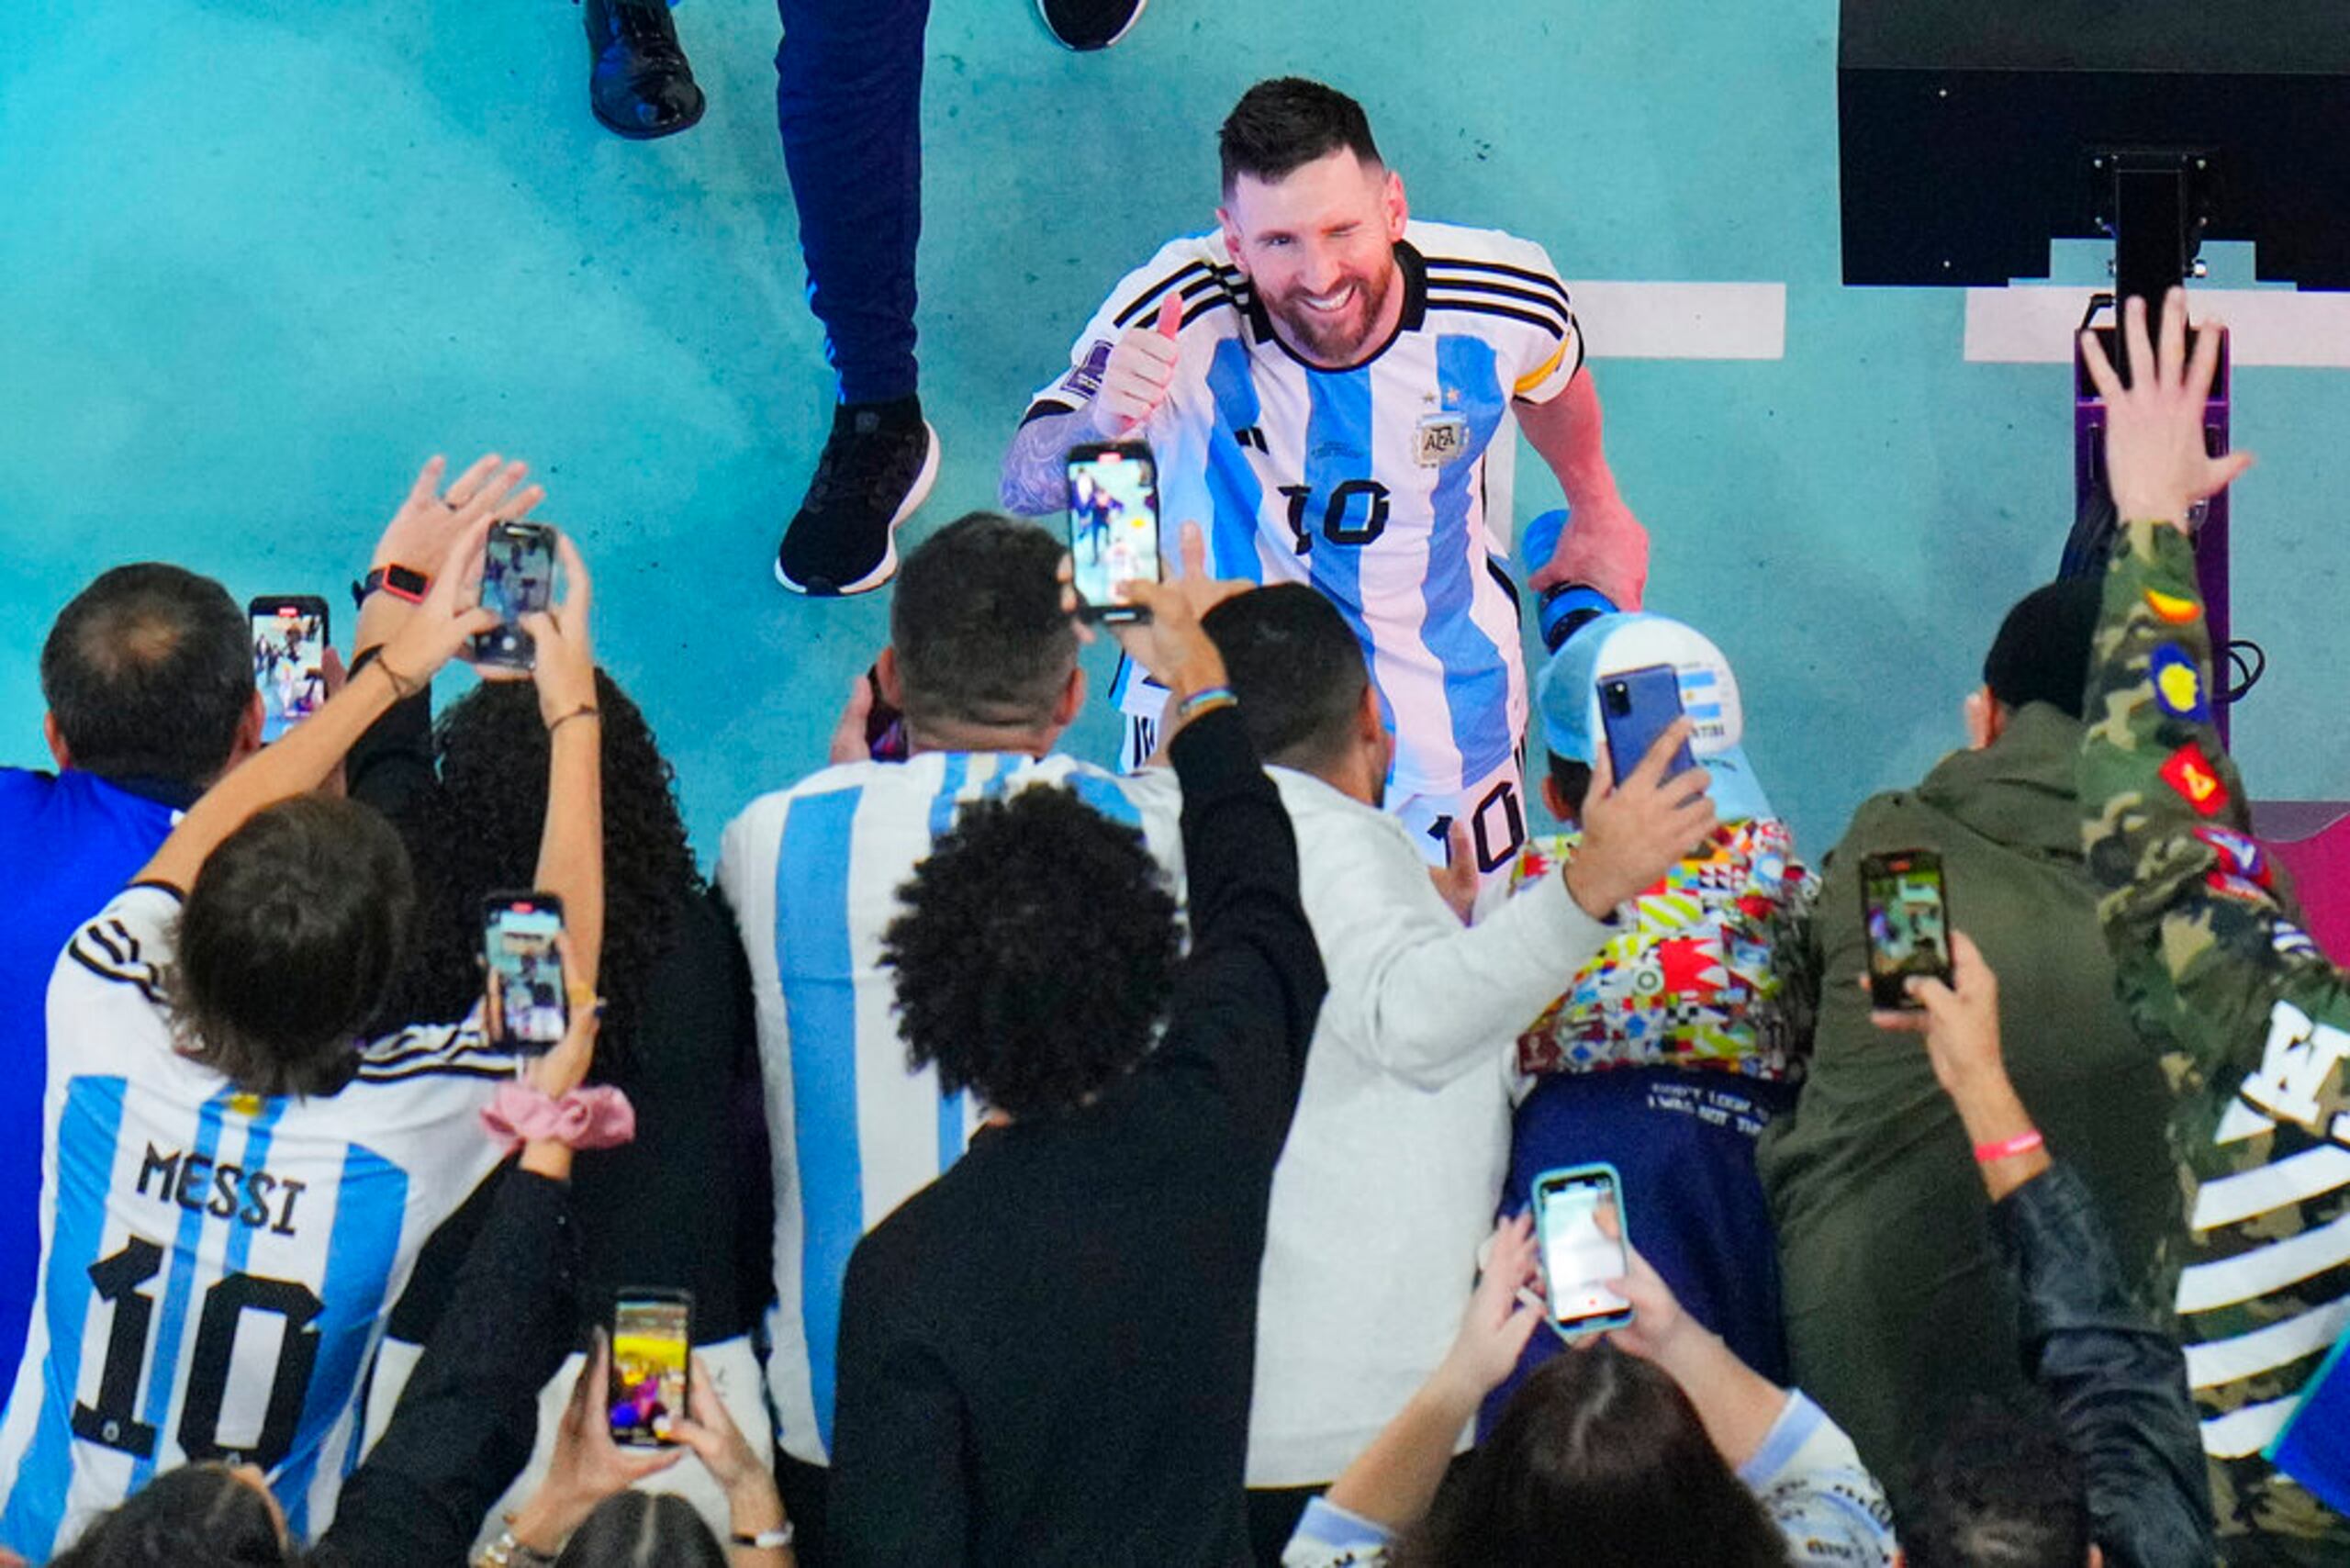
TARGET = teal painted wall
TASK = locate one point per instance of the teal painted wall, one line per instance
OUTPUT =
(259, 258)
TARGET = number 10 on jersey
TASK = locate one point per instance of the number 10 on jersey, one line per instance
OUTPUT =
(124, 1284)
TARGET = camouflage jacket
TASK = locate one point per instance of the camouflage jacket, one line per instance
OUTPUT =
(2250, 1022)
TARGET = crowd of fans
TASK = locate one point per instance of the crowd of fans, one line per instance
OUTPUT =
(1071, 1165)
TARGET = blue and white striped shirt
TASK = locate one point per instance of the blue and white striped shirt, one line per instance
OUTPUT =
(215, 1265)
(813, 873)
(1385, 485)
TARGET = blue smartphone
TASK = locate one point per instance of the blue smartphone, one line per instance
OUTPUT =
(1578, 1258)
(1636, 706)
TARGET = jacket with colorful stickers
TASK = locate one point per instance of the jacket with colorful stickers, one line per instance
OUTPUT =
(2250, 1019)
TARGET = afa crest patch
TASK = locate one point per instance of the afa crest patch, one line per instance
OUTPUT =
(2190, 774)
(2178, 685)
(2171, 608)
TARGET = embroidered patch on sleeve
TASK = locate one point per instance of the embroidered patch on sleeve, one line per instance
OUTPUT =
(2241, 890)
(2178, 685)
(1085, 380)
(2190, 773)
(2239, 854)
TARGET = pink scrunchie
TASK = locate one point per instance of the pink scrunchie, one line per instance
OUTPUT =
(598, 1117)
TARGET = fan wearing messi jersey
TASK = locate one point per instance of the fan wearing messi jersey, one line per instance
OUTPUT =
(1334, 386)
(235, 1186)
(983, 661)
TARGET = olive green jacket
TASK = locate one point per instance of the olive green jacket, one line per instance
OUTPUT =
(1898, 1305)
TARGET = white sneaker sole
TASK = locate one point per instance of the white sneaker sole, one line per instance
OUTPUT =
(888, 568)
(1122, 32)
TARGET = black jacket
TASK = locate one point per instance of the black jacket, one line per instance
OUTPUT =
(2118, 1384)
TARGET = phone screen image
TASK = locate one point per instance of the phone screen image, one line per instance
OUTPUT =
(1637, 706)
(289, 664)
(1908, 922)
(1577, 1255)
(1112, 523)
(652, 1337)
(520, 951)
(517, 579)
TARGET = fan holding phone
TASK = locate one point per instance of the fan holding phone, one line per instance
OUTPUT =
(1656, 1405)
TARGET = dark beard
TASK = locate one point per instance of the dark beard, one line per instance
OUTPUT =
(1322, 340)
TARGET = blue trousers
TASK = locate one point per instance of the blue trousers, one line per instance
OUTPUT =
(848, 103)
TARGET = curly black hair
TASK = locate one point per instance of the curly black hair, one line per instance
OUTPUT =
(1036, 955)
(479, 831)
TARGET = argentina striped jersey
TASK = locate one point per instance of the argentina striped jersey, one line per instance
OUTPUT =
(813, 874)
(215, 1265)
(1384, 486)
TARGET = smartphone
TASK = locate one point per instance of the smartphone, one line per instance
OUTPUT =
(1578, 1258)
(1112, 525)
(289, 659)
(1636, 706)
(652, 1365)
(1907, 920)
(517, 579)
(518, 933)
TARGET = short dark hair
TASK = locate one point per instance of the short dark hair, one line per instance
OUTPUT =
(990, 984)
(2042, 653)
(1295, 666)
(1602, 1450)
(291, 935)
(2001, 1489)
(1280, 126)
(197, 1516)
(150, 672)
(978, 624)
(643, 1530)
(1573, 778)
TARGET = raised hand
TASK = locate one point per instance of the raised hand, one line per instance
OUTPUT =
(1171, 645)
(2154, 456)
(1959, 1020)
(587, 1466)
(450, 616)
(1503, 1315)
(1141, 369)
(1456, 879)
(1633, 833)
(564, 666)
(420, 532)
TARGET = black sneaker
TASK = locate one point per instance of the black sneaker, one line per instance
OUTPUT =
(1089, 24)
(877, 466)
(642, 85)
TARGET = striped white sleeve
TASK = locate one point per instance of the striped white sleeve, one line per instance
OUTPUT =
(1189, 265)
(1512, 283)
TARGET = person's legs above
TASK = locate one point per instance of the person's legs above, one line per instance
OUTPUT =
(640, 86)
(1089, 24)
(848, 103)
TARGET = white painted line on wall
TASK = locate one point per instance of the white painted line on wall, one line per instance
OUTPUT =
(1682, 321)
(2034, 324)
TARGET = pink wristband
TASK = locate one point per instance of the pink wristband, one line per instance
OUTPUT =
(599, 1118)
(2022, 1143)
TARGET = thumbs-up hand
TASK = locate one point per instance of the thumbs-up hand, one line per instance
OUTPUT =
(1141, 369)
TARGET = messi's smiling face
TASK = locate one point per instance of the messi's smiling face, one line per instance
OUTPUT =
(1318, 245)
